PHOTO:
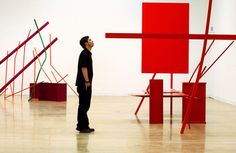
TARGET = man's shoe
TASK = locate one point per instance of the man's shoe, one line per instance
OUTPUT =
(91, 129)
(84, 131)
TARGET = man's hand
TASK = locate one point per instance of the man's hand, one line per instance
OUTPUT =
(87, 84)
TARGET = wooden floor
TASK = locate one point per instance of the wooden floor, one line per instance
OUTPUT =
(49, 127)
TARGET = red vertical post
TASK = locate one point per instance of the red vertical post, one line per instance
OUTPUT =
(5, 93)
(58, 72)
(23, 64)
(156, 102)
(34, 67)
(171, 98)
(14, 72)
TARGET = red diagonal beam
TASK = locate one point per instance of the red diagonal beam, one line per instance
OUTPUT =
(199, 63)
(26, 66)
(170, 36)
(141, 101)
(23, 43)
(204, 72)
(57, 71)
(199, 74)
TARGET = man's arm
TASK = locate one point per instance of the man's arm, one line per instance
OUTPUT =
(85, 74)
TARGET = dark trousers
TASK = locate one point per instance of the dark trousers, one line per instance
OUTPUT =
(84, 104)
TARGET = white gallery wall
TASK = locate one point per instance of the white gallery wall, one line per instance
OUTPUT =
(221, 82)
(117, 62)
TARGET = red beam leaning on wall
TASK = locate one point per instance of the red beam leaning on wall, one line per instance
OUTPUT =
(24, 68)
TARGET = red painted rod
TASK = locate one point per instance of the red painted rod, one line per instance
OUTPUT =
(204, 72)
(199, 63)
(62, 78)
(148, 87)
(170, 36)
(6, 76)
(22, 89)
(199, 74)
(23, 64)
(26, 66)
(23, 43)
(141, 101)
(35, 50)
(57, 71)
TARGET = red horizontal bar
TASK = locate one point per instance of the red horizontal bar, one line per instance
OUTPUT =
(23, 43)
(170, 36)
(26, 66)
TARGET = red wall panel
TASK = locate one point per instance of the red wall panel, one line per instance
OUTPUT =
(165, 55)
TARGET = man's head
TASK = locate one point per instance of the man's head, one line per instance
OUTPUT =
(86, 42)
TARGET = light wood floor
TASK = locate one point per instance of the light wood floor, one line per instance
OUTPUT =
(49, 127)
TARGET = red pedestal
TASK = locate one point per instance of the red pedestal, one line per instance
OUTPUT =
(49, 91)
(198, 110)
(34, 93)
(156, 102)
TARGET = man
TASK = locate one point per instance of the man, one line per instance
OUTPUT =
(84, 84)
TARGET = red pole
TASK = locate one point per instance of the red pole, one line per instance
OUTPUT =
(199, 63)
(42, 67)
(148, 87)
(23, 64)
(6, 76)
(34, 67)
(186, 117)
(141, 101)
(58, 72)
(54, 76)
(62, 78)
(171, 98)
(22, 90)
(170, 36)
(14, 72)
(24, 68)
(24, 42)
(204, 72)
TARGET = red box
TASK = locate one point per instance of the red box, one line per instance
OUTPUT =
(198, 110)
(49, 91)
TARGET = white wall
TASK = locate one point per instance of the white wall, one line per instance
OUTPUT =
(222, 76)
(117, 62)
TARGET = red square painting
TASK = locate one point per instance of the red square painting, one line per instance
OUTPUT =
(165, 55)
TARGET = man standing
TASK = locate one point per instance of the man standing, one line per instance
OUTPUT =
(84, 84)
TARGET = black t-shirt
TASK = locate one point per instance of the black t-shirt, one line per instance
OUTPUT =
(85, 60)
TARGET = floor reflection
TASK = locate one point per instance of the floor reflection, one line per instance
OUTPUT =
(82, 142)
(195, 138)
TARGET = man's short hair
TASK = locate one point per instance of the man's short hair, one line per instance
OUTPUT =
(83, 40)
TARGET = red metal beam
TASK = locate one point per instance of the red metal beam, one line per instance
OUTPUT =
(23, 43)
(199, 74)
(199, 63)
(22, 90)
(204, 72)
(6, 76)
(35, 50)
(170, 36)
(23, 64)
(147, 91)
(26, 66)
(14, 71)
(57, 71)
